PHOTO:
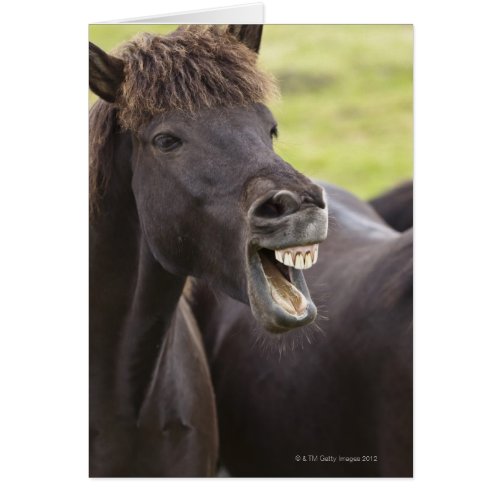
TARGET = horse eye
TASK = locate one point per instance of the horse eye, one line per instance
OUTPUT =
(166, 142)
(274, 132)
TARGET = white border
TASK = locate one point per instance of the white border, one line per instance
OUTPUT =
(44, 255)
(237, 14)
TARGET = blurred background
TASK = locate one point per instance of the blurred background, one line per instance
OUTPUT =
(346, 111)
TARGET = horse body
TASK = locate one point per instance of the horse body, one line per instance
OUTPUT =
(152, 410)
(344, 392)
(396, 206)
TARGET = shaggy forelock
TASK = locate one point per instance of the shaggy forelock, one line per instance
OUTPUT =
(192, 68)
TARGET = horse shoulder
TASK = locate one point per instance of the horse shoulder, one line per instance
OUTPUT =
(180, 404)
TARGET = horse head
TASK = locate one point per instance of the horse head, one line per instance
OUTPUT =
(213, 198)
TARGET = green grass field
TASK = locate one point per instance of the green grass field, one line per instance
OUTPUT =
(346, 112)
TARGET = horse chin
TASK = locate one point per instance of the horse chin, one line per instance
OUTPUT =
(278, 293)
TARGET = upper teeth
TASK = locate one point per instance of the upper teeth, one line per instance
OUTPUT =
(298, 257)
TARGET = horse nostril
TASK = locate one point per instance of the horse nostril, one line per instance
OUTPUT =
(286, 202)
(280, 204)
(316, 199)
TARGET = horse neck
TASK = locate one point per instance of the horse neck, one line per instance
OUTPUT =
(132, 303)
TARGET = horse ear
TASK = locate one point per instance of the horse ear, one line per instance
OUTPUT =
(249, 34)
(105, 73)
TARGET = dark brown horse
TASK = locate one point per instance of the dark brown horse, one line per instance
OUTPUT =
(184, 182)
(396, 206)
(330, 401)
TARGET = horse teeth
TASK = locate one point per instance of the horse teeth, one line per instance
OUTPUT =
(308, 261)
(298, 257)
(299, 261)
(288, 259)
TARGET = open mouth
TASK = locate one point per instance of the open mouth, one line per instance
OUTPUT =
(278, 291)
(278, 272)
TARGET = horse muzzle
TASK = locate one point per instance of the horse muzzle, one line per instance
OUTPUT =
(285, 231)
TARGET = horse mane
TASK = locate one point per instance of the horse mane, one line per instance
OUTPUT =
(102, 127)
(192, 68)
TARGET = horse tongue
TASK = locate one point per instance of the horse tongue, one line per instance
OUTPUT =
(282, 291)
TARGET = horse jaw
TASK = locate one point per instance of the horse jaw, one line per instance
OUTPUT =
(277, 290)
